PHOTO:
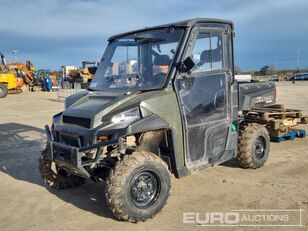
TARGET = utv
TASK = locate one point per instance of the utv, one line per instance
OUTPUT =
(163, 101)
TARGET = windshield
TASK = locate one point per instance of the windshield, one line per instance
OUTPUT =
(139, 61)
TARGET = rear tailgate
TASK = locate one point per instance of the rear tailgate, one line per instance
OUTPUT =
(254, 95)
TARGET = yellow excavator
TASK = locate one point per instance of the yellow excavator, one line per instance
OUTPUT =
(23, 71)
(23, 74)
(8, 80)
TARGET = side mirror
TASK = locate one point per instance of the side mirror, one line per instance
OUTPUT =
(187, 65)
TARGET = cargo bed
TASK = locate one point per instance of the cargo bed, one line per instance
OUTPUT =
(256, 94)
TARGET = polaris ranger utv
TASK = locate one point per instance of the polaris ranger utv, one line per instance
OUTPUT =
(163, 101)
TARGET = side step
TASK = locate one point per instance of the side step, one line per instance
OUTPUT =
(290, 136)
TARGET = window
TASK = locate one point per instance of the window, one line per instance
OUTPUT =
(137, 61)
(207, 52)
(162, 55)
(123, 61)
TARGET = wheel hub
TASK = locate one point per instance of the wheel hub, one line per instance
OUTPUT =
(144, 189)
(260, 147)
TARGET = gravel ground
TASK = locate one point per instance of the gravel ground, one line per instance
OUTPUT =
(26, 204)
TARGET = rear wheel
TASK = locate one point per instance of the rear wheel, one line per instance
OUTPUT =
(3, 90)
(58, 179)
(138, 187)
(253, 146)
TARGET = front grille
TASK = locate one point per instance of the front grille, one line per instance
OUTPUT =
(70, 140)
(83, 122)
(62, 154)
(73, 139)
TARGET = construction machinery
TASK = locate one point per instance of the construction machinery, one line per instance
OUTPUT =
(83, 76)
(8, 80)
(70, 74)
(24, 74)
(88, 70)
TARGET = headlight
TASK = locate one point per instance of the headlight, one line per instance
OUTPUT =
(128, 116)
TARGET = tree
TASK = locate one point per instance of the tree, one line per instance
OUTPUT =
(266, 70)
(237, 70)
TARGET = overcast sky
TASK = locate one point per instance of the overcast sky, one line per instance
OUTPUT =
(63, 32)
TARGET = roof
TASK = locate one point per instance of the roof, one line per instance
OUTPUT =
(184, 23)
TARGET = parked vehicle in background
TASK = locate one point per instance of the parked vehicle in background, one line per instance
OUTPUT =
(243, 78)
(8, 80)
(300, 76)
(76, 75)
(25, 74)
(88, 70)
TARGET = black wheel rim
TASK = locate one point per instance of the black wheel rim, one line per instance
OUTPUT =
(145, 189)
(260, 147)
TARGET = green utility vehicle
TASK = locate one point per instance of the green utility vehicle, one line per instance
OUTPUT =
(163, 101)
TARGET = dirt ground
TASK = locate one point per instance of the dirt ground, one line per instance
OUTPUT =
(26, 204)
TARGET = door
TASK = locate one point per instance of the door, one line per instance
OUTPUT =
(204, 96)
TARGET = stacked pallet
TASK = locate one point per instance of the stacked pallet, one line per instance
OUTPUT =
(279, 121)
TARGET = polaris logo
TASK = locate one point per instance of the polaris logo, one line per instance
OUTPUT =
(265, 99)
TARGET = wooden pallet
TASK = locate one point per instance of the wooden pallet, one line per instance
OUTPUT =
(277, 120)
(277, 111)
(289, 136)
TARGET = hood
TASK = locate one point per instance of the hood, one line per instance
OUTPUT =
(88, 109)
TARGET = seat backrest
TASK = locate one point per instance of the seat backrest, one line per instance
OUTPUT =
(162, 60)
(208, 56)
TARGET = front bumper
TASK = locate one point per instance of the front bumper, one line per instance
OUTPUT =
(74, 159)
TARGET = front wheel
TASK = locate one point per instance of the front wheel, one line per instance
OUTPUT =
(58, 179)
(253, 146)
(3, 90)
(138, 187)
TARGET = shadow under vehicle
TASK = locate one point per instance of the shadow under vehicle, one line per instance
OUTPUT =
(163, 101)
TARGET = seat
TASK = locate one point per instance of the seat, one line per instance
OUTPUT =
(162, 60)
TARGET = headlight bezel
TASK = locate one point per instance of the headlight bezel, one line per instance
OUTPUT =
(126, 117)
